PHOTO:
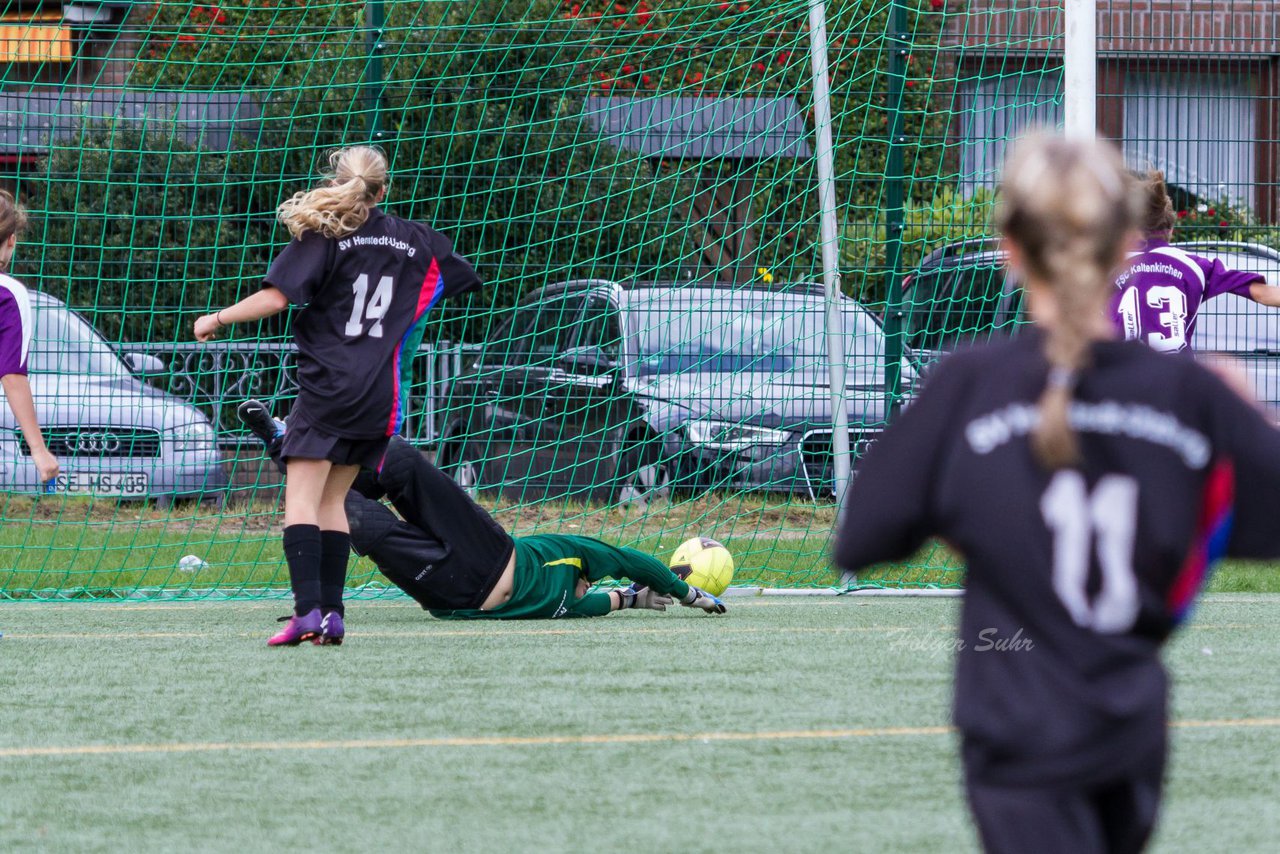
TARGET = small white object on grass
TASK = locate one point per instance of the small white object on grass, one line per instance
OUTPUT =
(191, 563)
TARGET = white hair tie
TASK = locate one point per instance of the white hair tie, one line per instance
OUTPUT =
(1060, 377)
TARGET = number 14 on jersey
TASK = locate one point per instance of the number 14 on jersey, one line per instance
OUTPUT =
(368, 306)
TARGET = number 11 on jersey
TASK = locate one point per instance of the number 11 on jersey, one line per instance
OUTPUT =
(1081, 522)
(368, 307)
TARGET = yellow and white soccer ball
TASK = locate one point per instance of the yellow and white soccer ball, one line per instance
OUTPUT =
(704, 563)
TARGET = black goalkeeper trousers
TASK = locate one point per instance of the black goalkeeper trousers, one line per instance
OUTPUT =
(445, 551)
(1115, 817)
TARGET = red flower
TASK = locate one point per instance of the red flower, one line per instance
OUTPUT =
(937, 4)
(910, 84)
(619, 8)
(646, 80)
(725, 7)
(575, 10)
(784, 56)
(1182, 214)
(628, 69)
(760, 67)
(643, 18)
(743, 7)
(1223, 224)
(1212, 212)
(186, 39)
(697, 77)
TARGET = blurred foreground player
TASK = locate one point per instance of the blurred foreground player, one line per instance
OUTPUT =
(1089, 483)
(458, 563)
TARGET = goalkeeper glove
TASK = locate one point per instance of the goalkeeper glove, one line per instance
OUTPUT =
(702, 599)
(643, 597)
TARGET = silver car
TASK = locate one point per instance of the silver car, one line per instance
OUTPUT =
(1238, 327)
(113, 434)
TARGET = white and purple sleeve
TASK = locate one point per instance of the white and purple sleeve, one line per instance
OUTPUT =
(1220, 280)
(15, 329)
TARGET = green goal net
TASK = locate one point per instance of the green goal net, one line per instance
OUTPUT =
(636, 182)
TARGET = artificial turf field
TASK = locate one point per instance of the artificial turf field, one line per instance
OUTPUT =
(786, 725)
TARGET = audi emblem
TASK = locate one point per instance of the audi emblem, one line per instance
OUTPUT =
(94, 443)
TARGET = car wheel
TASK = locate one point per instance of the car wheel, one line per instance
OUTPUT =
(466, 468)
(642, 473)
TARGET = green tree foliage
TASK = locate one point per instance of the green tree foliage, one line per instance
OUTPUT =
(143, 232)
(946, 218)
(481, 106)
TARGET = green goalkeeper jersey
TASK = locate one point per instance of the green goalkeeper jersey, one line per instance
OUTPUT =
(548, 568)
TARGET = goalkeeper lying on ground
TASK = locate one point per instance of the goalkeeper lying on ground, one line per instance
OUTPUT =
(458, 563)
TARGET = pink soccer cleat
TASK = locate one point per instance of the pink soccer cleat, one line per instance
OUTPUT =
(297, 629)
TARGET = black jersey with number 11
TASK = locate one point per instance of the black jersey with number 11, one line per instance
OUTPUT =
(365, 300)
(1075, 577)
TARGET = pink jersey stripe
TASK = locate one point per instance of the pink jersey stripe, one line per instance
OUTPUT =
(428, 295)
(1210, 543)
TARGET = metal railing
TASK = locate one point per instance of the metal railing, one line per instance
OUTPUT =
(216, 377)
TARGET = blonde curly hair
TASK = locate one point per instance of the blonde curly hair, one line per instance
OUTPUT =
(341, 204)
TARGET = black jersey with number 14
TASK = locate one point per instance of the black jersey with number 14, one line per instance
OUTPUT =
(1075, 577)
(365, 301)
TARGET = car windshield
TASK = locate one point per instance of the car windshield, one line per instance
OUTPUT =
(62, 343)
(960, 304)
(716, 330)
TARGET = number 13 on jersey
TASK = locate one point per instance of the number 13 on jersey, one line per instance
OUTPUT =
(369, 307)
(1170, 307)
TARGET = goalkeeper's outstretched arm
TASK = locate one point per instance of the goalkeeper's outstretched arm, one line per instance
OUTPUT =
(654, 585)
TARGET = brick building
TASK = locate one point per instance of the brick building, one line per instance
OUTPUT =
(1191, 87)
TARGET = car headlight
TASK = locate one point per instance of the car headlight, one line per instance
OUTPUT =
(726, 436)
(196, 436)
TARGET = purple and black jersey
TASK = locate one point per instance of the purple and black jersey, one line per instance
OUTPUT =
(365, 298)
(1075, 577)
(1159, 295)
(15, 326)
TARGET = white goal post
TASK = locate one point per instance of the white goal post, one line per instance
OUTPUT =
(1080, 68)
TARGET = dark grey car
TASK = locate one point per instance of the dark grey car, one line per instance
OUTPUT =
(616, 391)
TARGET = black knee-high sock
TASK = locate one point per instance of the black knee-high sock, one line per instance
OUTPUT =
(302, 551)
(335, 552)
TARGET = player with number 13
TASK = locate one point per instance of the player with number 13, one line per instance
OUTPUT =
(365, 281)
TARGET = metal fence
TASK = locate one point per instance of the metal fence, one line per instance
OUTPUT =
(218, 376)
